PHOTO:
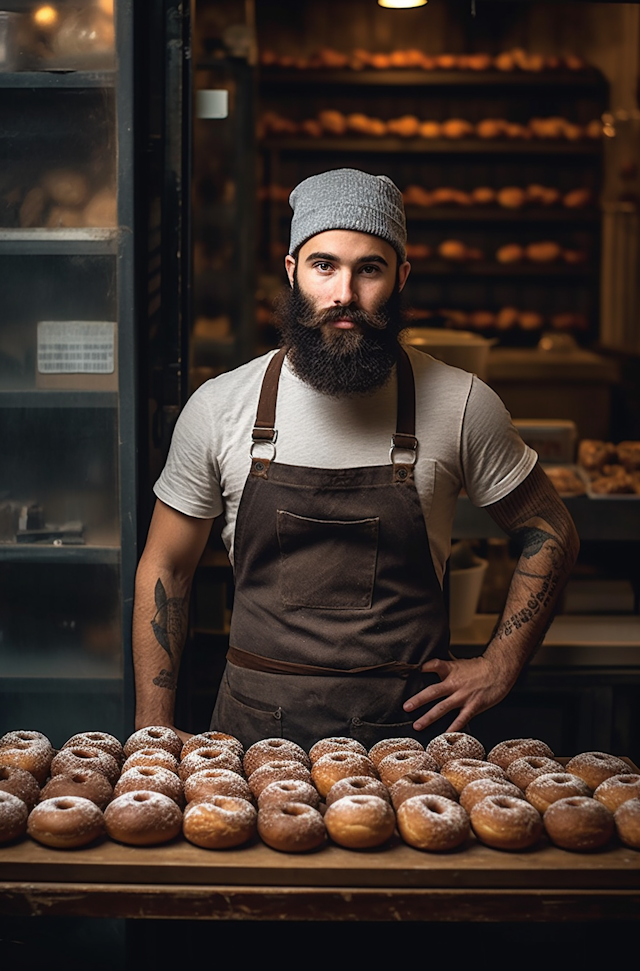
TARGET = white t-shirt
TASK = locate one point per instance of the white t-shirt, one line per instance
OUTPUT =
(466, 439)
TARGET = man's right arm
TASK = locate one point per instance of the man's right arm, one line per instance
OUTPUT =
(163, 583)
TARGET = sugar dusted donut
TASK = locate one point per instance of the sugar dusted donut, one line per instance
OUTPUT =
(460, 772)
(277, 771)
(627, 822)
(208, 739)
(272, 750)
(77, 757)
(218, 757)
(454, 745)
(288, 790)
(85, 783)
(143, 818)
(360, 822)
(432, 822)
(156, 757)
(506, 823)
(481, 788)
(523, 771)
(334, 766)
(219, 822)
(357, 785)
(516, 748)
(216, 782)
(616, 790)
(30, 751)
(19, 783)
(103, 741)
(66, 822)
(154, 736)
(13, 817)
(390, 745)
(394, 766)
(336, 743)
(294, 827)
(421, 783)
(595, 767)
(150, 778)
(547, 789)
(578, 823)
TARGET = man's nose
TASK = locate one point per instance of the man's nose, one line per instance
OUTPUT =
(345, 293)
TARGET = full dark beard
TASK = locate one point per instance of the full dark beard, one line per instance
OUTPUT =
(340, 362)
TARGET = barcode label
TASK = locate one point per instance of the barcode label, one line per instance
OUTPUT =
(76, 347)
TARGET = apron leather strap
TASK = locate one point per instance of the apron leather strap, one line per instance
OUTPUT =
(268, 665)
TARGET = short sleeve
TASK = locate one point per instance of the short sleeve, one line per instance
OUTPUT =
(190, 480)
(494, 458)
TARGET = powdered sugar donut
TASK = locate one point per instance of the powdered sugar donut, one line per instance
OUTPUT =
(277, 771)
(155, 757)
(460, 772)
(101, 740)
(76, 757)
(547, 789)
(19, 783)
(627, 821)
(219, 822)
(288, 790)
(150, 778)
(143, 818)
(357, 785)
(66, 822)
(212, 739)
(334, 766)
(273, 750)
(25, 735)
(595, 767)
(218, 757)
(394, 766)
(616, 790)
(13, 817)
(85, 783)
(216, 782)
(390, 745)
(424, 783)
(523, 771)
(336, 743)
(454, 745)
(30, 751)
(481, 788)
(294, 827)
(360, 822)
(432, 822)
(506, 823)
(517, 748)
(154, 736)
(578, 823)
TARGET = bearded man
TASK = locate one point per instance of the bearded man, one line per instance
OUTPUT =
(337, 461)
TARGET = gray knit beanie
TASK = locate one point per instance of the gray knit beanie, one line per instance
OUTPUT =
(348, 199)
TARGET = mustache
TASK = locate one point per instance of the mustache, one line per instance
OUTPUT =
(317, 318)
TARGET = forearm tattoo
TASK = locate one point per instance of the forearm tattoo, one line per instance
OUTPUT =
(169, 625)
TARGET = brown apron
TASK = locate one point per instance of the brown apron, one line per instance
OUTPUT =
(337, 603)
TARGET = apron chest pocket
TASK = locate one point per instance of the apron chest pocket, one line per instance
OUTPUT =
(327, 564)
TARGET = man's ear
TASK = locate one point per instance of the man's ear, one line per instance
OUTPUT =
(290, 267)
(403, 272)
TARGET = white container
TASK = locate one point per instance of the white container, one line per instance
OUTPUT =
(464, 592)
(460, 348)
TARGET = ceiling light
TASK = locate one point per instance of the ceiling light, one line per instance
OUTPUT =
(401, 4)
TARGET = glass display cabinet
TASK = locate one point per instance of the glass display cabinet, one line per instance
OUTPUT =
(67, 366)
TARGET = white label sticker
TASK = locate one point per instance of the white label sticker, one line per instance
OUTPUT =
(76, 347)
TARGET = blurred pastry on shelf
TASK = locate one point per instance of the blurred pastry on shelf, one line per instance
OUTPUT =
(574, 63)
(380, 62)
(575, 256)
(483, 195)
(359, 59)
(543, 252)
(418, 251)
(101, 210)
(510, 253)
(577, 198)
(511, 197)
(594, 454)
(333, 122)
(311, 127)
(530, 320)
(569, 321)
(456, 319)
(515, 131)
(416, 195)
(618, 484)
(504, 61)
(330, 58)
(66, 187)
(478, 62)
(453, 249)
(629, 455)
(358, 122)
(446, 62)
(32, 209)
(541, 195)
(482, 320)
(507, 318)
(430, 129)
(593, 129)
(406, 126)
(64, 217)
(565, 481)
(490, 128)
(456, 128)
(447, 196)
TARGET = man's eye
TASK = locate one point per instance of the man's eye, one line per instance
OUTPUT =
(370, 268)
(322, 266)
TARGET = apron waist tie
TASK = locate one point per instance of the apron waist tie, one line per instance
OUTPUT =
(269, 665)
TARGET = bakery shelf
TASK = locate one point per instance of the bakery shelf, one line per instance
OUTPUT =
(424, 268)
(58, 242)
(589, 79)
(487, 215)
(58, 399)
(426, 146)
(58, 79)
(96, 550)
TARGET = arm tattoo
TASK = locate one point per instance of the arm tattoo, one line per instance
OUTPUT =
(169, 626)
(543, 594)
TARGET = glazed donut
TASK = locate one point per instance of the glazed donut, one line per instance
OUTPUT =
(390, 745)
(216, 782)
(288, 790)
(13, 817)
(143, 818)
(78, 757)
(547, 789)
(272, 749)
(481, 788)
(334, 766)
(523, 771)
(421, 783)
(219, 822)
(277, 771)
(394, 766)
(578, 823)
(507, 752)
(150, 778)
(66, 822)
(360, 822)
(357, 785)
(294, 827)
(219, 757)
(154, 736)
(85, 783)
(30, 755)
(208, 739)
(454, 745)
(616, 790)
(337, 743)
(627, 822)
(506, 823)
(460, 772)
(101, 740)
(19, 783)
(595, 767)
(432, 822)
(157, 757)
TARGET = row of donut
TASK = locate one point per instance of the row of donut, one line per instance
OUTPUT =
(435, 797)
(612, 469)
(360, 59)
(505, 319)
(333, 122)
(457, 251)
